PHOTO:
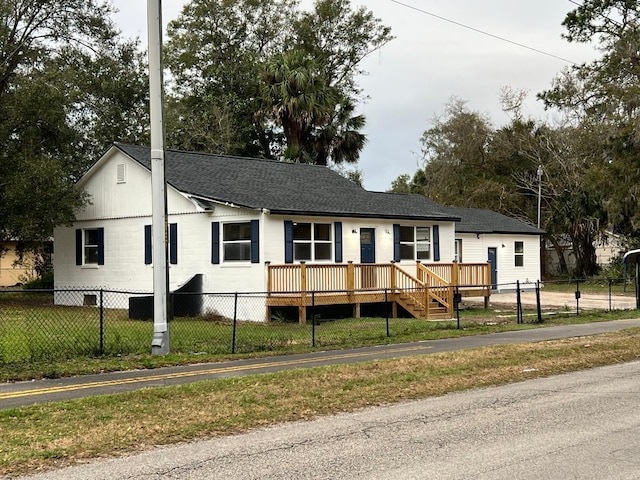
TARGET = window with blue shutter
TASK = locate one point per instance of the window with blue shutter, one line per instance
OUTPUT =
(100, 236)
(148, 258)
(436, 243)
(337, 230)
(255, 241)
(90, 246)
(78, 246)
(288, 241)
(215, 243)
(396, 243)
(173, 243)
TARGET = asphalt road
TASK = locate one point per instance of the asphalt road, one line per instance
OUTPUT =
(28, 393)
(581, 425)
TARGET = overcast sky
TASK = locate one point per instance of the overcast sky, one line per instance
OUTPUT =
(412, 78)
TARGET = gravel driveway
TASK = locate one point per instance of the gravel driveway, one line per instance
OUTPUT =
(566, 299)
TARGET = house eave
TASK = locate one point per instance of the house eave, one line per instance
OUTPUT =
(306, 213)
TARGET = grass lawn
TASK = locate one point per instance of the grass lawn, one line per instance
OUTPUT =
(57, 434)
(39, 340)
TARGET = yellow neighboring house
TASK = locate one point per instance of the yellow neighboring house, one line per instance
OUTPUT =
(11, 274)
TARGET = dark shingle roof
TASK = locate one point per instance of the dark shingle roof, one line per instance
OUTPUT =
(283, 188)
(480, 220)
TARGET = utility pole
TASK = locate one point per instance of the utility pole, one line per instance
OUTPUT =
(539, 172)
(159, 221)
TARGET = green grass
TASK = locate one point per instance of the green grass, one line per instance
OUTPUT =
(39, 340)
(52, 435)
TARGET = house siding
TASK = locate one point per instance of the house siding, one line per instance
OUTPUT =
(11, 274)
(475, 250)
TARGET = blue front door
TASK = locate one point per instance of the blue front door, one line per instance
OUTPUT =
(367, 245)
(493, 258)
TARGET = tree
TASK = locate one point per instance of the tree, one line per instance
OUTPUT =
(215, 52)
(253, 66)
(470, 163)
(297, 97)
(604, 98)
(68, 88)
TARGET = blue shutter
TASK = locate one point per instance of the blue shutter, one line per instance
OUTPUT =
(148, 259)
(337, 231)
(288, 241)
(215, 243)
(101, 246)
(78, 246)
(436, 243)
(396, 242)
(255, 241)
(173, 243)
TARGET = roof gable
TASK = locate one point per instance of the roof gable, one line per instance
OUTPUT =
(283, 188)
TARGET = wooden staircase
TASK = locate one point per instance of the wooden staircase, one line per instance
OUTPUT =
(428, 296)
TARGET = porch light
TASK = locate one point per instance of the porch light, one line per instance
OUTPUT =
(354, 231)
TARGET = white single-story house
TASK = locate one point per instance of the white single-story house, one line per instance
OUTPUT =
(512, 246)
(253, 225)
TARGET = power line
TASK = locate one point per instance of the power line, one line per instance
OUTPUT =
(483, 32)
(601, 14)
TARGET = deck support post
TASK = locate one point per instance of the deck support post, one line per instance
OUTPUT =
(455, 275)
(302, 307)
(487, 282)
(356, 310)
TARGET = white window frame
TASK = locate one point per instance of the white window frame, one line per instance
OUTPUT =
(458, 250)
(87, 247)
(313, 242)
(415, 243)
(518, 254)
(239, 241)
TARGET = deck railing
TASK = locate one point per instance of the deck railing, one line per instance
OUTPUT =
(332, 277)
(433, 284)
(462, 274)
(438, 288)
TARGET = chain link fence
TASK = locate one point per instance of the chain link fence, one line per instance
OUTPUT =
(534, 302)
(43, 325)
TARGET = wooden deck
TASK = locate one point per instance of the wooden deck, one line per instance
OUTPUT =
(428, 294)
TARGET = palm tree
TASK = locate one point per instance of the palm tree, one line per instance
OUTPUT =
(317, 121)
(340, 140)
(297, 98)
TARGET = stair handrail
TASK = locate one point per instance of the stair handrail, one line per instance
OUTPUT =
(435, 283)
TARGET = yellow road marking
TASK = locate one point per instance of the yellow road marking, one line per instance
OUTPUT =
(168, 376)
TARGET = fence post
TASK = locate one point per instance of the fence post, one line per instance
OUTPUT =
(313, 319)
(235, 321)
(637, 285)
(101, 322)
(610, 281)
(577, 297)
(386, 304)
(456, 299)
(518, 303)
(538, 305)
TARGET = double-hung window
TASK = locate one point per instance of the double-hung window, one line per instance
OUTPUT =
(519, 254)
(312, 241)
(458, 250)
(236, 242)
(415, 243)
(90, 246)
